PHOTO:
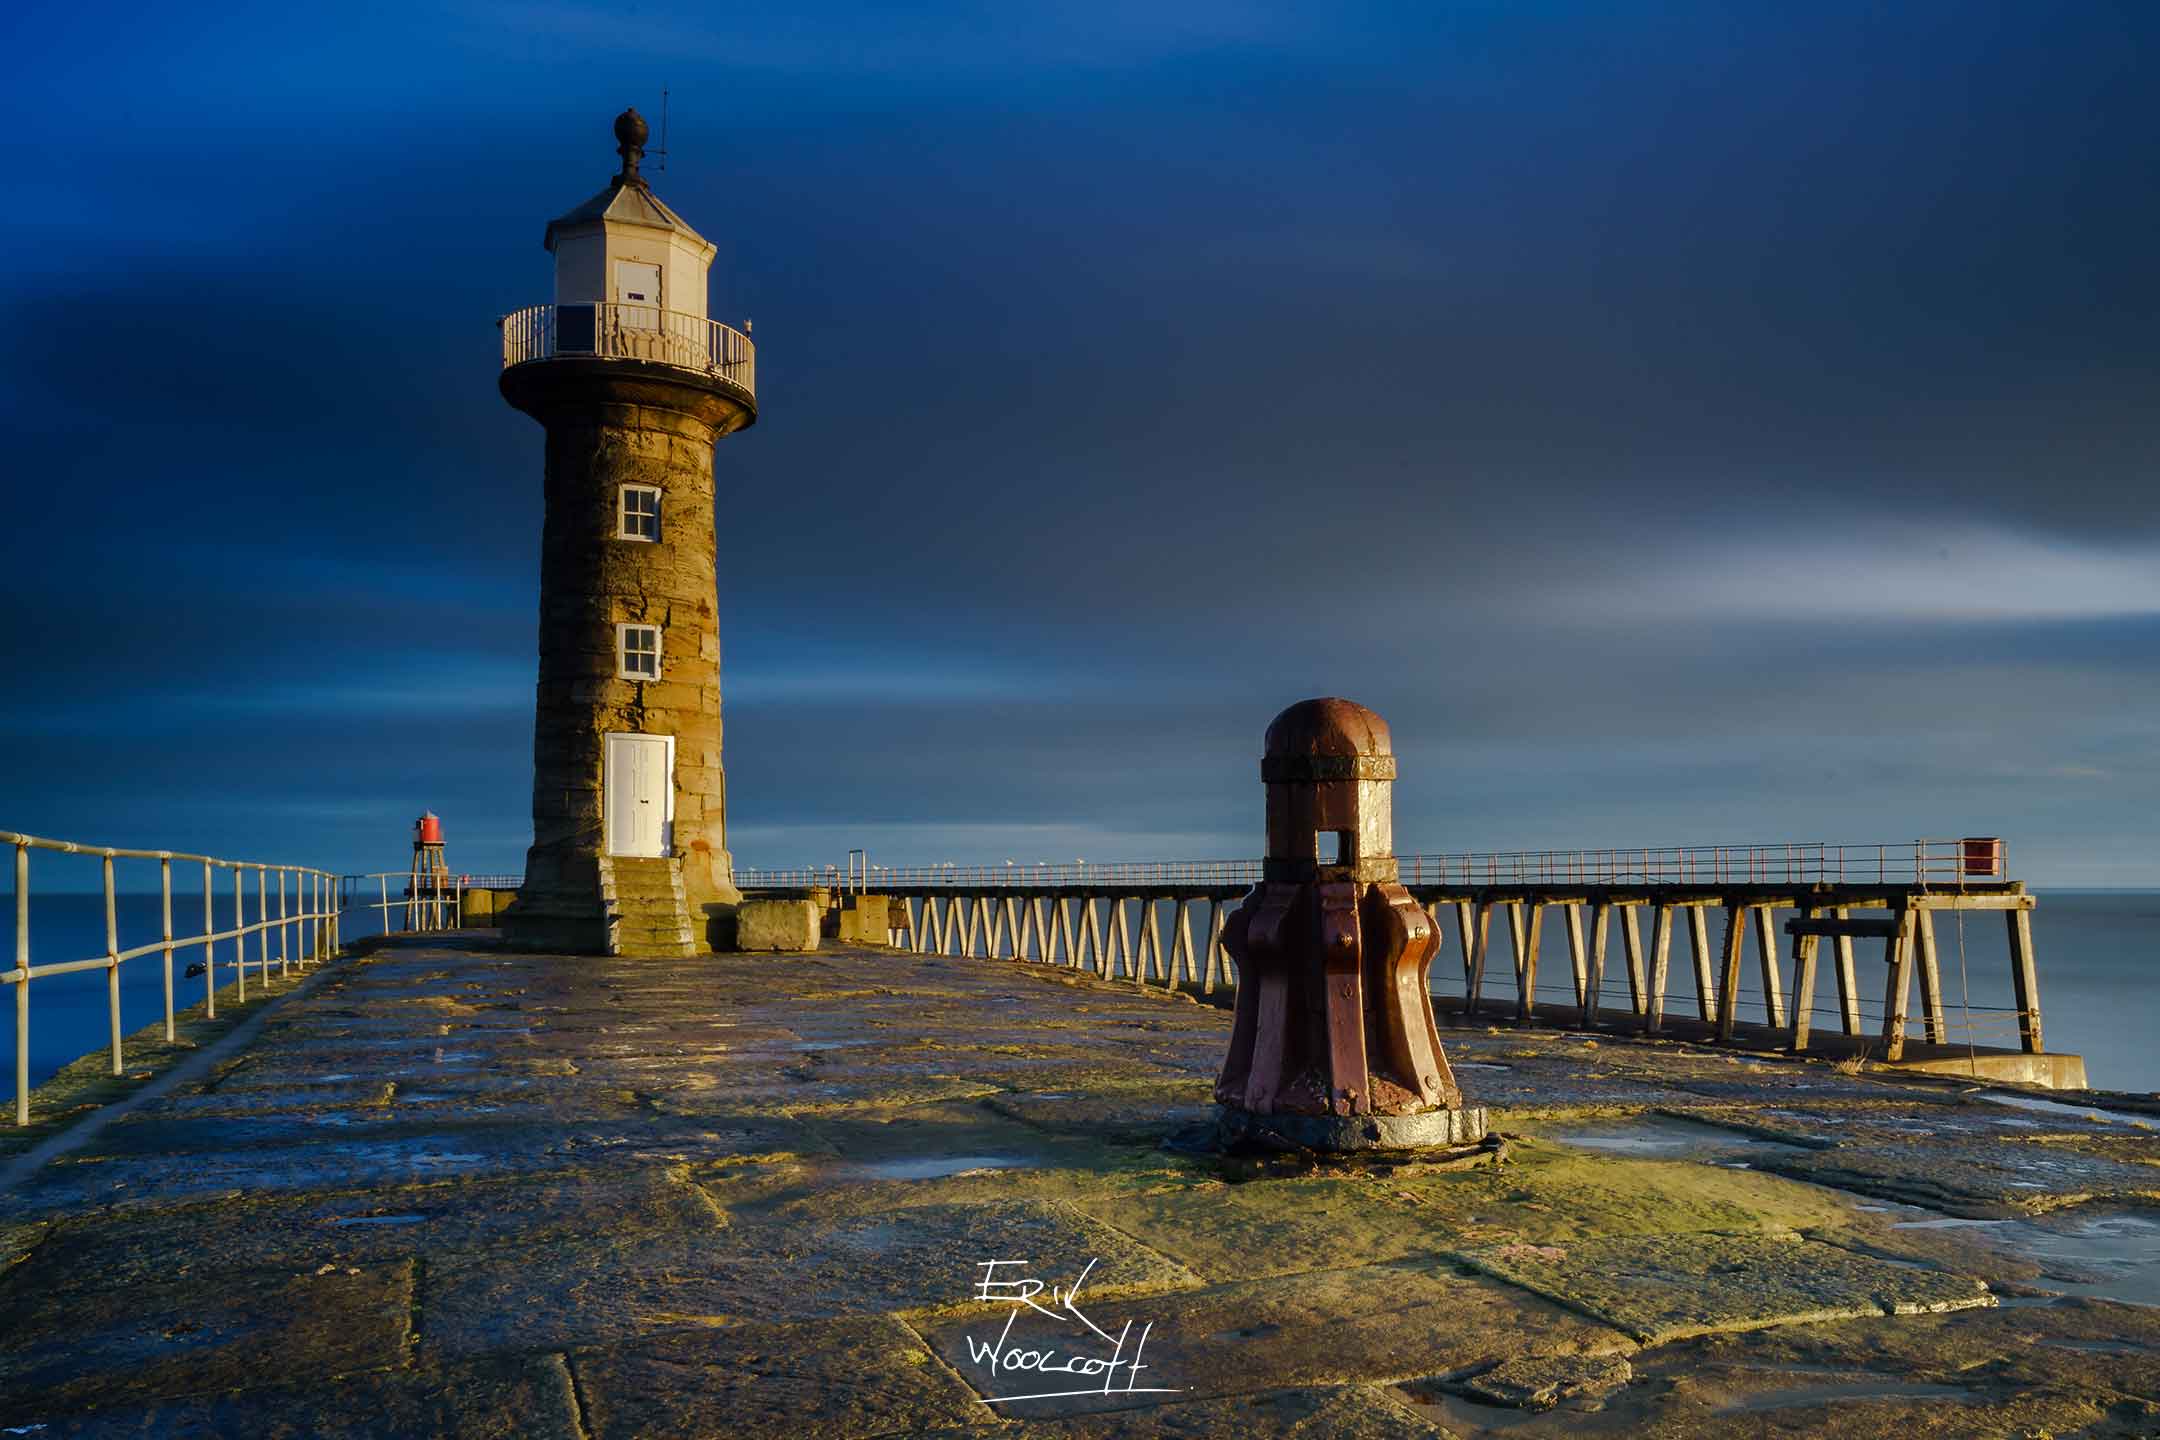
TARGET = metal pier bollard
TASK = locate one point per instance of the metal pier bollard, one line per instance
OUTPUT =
(1334, 1046)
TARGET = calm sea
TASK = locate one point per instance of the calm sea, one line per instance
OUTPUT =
(68, 1012)
(2098, 953)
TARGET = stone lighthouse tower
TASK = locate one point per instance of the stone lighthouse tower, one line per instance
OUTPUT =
(634, 384)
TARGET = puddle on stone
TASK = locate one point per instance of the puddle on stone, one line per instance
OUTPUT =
(1458, 1416)
(937, 1167)
(1795, 1396)
(2088, 1113)
(2113, 1257)
(378, 1219)
(1659, 1137)
(2107, 1257)
(1478, 1065)
(2101, 1347)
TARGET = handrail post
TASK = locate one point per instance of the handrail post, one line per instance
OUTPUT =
(240, 931)
(165, 896)
(209, 946)
(262, 922)
(385, 902)
(22, 984)
(112, 965)
(284, 929)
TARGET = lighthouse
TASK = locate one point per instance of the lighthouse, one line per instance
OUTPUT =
(634, 384)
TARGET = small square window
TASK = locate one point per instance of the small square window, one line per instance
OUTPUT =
(637, 513)
(637, 652)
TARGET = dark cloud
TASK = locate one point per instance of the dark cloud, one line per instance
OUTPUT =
(1727, 420)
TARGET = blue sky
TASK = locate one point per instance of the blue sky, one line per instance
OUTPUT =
(1685, 423)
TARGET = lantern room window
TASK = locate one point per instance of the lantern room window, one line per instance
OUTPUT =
(637, 513)
(637, 652)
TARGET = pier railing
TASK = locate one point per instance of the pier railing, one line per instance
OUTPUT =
(425, 900)
(1946, 864)
(305, 923)
(608, 330)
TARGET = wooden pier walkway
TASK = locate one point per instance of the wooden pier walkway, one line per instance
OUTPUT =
(1146, 932)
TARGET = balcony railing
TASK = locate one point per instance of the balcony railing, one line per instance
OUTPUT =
(630, 332)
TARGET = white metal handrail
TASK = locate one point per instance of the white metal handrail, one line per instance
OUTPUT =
(304, 934)
(609, 330)
(1945, 863)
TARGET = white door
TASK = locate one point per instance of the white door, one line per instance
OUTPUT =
(635, 801)
(637, 291)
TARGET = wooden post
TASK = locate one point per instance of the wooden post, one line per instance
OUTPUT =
(1181, 950)
(1706, 990)
(1216, 914)
(1575, 954)
(1466, 932)
(1728, 1010)
(1803, 969)
(1935, 1023)
(1091, 949)
(1058, 922)
(2025, 978)
(1660, 967)
(1848, 980)
(1899, 949)
(1594, 984)
(1478, 943)
(262, 922)
(1526, 965)
(1119, 952)
(1631, 950)
(1766, 954)
(284, 929)
(1151, 943)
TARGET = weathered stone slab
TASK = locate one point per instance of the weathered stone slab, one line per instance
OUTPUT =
(1541, 1382)
(302, 1232)
(1659, 1288)
(1134, 1115)
(807, 1265)
(521, 1398)
(1375, 1323)
(776, 925)
(816, 1381)
(60, 1353)
(443, 1153)
(1350, 1412)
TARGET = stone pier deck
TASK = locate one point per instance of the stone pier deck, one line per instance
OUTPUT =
(452, 1191)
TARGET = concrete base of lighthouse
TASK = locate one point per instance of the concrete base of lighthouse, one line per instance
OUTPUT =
(611, 423)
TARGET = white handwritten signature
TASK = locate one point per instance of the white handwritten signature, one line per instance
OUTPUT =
(1002, 1356)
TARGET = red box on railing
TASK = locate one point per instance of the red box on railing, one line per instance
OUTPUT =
(1984, 857)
